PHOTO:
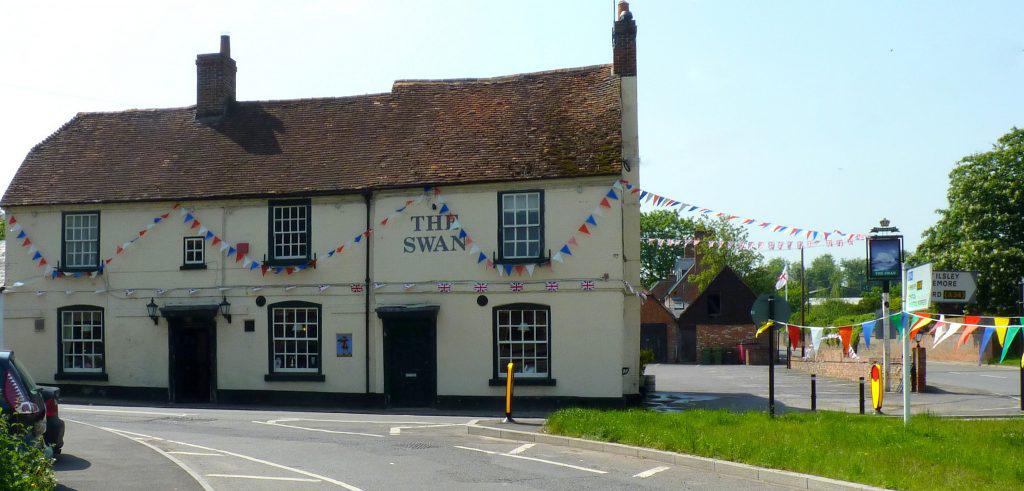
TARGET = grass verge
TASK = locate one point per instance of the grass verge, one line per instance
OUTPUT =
(931, 453)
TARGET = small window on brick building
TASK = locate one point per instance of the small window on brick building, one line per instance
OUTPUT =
(714, 304)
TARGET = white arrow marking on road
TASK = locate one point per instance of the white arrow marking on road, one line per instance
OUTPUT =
(523, 457)
(522, 448)
(397, 430)
(651, 472)
(272, 423)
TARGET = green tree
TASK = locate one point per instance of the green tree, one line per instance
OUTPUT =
(855, 281)
(656, 261)
(821, 275)
(982, 227)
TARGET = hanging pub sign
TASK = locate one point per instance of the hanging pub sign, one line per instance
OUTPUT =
(885, 255)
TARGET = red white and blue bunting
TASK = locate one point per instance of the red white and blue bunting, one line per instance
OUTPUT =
(809, 234)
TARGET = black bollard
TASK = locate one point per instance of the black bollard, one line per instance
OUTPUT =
(814, 392)
(862, 395)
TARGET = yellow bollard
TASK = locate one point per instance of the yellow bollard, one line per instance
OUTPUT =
(508, 392)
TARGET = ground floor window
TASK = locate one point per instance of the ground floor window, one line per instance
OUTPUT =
(80, 328)
(522, 335)
(295, 335)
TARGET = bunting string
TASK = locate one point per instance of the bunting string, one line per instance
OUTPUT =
(26, 242)
(754, 245)
(810, 234)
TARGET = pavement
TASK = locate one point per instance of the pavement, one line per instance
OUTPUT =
(954, 389)
(180, 447)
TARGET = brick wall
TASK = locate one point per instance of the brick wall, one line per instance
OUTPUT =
(726, 336)
(653, 312)
(829, 362)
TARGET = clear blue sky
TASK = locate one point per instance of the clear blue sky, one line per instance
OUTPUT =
(814, 114)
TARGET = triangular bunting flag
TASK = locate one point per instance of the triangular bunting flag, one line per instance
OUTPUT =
(816, 335)
(583, 229)
(590, 220)
(1008, 340)
(866, 329)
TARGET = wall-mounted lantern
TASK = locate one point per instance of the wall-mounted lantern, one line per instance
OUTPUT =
(225, 309)
(153, 311)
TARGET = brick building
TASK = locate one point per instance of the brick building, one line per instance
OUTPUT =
(717, 317)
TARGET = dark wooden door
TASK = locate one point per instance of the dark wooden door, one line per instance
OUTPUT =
(654, 337)
(191, 359)
(410, 364)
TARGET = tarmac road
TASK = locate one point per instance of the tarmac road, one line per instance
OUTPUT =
(151, 448)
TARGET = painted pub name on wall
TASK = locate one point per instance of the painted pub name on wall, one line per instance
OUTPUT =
(437, 235)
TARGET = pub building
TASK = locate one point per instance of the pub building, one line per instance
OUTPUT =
(393, 249)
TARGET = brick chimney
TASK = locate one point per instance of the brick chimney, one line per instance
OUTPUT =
(624, 42)
(215, 81)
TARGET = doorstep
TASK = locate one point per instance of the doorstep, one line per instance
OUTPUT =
(530, 430)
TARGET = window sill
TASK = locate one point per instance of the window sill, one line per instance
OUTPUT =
(283, 263)
(523, 260)
(79, 270)
(185, 267)
(101, 376)
(294, 377)
(542, 382)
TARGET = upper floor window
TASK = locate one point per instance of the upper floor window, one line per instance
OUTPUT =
(80, 330)
(714, 304)
(289, 232)
(81, 241)
(194, 252)
(520, 227)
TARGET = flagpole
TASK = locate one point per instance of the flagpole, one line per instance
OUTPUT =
(803, 292)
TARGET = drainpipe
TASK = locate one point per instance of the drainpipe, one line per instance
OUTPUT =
(367, 196)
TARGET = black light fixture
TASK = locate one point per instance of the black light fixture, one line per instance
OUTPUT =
(152, 308)
(225, 309)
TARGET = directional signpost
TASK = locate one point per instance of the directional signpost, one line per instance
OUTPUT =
(917, 288)
(954, 286)
(768, 308)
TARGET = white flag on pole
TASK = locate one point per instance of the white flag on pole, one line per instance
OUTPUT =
(783, 278)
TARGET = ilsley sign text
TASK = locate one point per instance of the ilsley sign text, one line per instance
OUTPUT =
(433, 233)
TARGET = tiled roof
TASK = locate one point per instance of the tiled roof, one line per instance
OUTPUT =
(559, 123)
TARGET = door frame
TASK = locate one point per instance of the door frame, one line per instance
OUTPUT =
(174, 315)
(664, 355)
(391, 315)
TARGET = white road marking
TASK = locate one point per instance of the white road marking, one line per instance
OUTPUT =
(522, 448)
(357, 421)
(651, 472)
(272, 423)
(134, 435)
(266, 478)
(990, 376)
(397, 430)
(188, 470)
(271, 464)
(523, 457)
(120, 411)
(200, 454)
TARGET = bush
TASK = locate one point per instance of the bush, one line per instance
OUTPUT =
(22, 466)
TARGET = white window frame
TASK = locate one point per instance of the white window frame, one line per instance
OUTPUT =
(521, 214)
(94, 344)
(196, 246)
(289, 330)
(83, 237)
(509, 332)
(290, 230)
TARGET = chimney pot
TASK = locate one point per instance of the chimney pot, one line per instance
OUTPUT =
(215, 81)
(624, 42)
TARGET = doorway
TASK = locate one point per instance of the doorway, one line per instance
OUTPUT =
(192, 358)
(410, 361)
(654, 337)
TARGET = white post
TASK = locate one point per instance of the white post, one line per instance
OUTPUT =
(885, 336)
(906, 348)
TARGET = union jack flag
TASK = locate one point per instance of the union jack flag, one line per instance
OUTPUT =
(552, 286)
(480, 287)
(516, 286)
(444, 286)
(587, 285)
(357, 288)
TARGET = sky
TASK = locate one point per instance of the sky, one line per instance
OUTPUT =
(820, 115)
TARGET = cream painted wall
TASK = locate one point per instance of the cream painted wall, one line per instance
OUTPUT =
(589, 346)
